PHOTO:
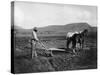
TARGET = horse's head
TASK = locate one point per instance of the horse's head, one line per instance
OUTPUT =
(85, 32)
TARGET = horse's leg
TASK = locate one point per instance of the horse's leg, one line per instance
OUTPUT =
(68, 41)
(82, 43)
(74, 45)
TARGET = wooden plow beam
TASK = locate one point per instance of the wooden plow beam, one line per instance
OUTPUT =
(56, 49)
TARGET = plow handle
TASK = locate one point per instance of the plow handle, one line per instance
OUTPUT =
(42, 45)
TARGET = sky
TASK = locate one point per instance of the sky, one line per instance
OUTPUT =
(31, 14)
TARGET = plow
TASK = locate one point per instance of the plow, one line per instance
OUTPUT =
(49, 50)
(46, 49)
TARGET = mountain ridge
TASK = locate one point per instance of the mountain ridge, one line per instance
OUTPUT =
(60, 29)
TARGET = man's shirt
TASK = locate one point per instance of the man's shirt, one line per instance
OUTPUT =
(34, 34)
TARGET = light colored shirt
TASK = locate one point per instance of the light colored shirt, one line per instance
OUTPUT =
(34, 35)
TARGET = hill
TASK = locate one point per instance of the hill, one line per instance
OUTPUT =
(57, 29)
(66, 28)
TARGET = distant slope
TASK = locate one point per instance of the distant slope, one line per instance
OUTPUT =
(22, 30)
(66, 28)
(57, 29)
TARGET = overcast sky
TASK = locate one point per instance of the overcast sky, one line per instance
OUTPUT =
(30, 14)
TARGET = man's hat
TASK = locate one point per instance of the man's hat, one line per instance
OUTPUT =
(35, 28)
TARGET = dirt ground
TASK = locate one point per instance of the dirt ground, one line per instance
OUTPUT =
(61, 61)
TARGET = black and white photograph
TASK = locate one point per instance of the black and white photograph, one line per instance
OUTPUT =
(51, 37)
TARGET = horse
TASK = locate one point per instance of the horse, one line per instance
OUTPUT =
(81, 37)
(72, 37)
(76, 37)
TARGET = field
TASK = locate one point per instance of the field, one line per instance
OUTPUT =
(61, 61)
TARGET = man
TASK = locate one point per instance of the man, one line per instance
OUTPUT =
(35, 40)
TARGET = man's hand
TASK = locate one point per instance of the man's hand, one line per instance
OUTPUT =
(37, 40)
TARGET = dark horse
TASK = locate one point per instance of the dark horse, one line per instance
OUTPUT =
(81, 37)
(76, 37)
